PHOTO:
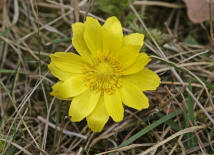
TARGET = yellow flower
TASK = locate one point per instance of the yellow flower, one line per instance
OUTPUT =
(109, 73)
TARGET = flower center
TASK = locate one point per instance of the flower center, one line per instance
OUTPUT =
(104, 74)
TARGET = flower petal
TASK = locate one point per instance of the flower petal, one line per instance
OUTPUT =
(61, 75)
(130, 50)
(55, 89)
(145, 79)
(112, 35)
(98, 117)
(68, 62)
(142, 60)
(78, 39)
(133, 97)
(82, 105)
(114, 106)
(93, 35)
(70, 87)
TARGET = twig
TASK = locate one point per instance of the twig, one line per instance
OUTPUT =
(159, 3)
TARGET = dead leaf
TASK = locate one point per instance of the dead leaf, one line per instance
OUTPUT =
(1, 4)
(198, 10)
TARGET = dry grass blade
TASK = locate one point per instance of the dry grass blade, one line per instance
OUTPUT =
(46, 125)
(126, 148)
(69, 133)
(34, 122)
(159, 3)
(76, 9)
(16, 14)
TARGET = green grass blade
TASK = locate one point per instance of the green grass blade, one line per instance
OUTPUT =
(10, 71)
(61, 40)
(193, 141)
(4, 34)
(57, 122)
(186, 123)
(14, 79)
(212, 133)
(170, 122)
(190, 105)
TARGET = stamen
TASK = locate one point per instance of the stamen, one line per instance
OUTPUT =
(104, 74)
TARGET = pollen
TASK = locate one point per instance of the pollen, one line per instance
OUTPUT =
(104, 74)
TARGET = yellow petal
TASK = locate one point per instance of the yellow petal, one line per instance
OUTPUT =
(93, 35)
(114, 106)
(70, 87)
(145, 79)
(55, 89)
(130, 50)
(133, 97)
(134, 39)
(78, 39)
(68, 62)
(82, 105)
(112, 35)
(61, 75)
(98, 117)
(142, 60)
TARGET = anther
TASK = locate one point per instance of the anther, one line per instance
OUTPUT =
(104, 74)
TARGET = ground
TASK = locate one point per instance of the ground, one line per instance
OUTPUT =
(180, 117)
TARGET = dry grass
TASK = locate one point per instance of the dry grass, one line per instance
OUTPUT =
(179, 120)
